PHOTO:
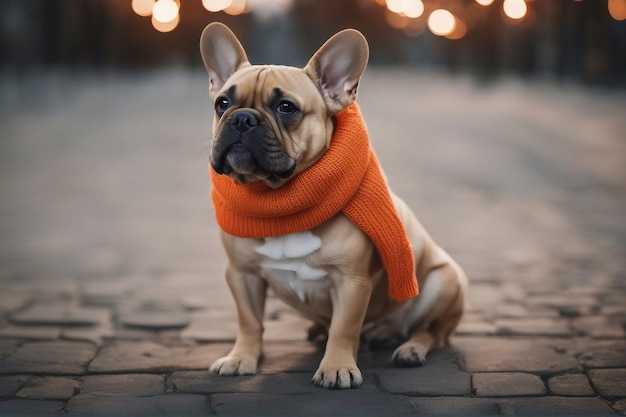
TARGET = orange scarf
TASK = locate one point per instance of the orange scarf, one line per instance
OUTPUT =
(347, 179)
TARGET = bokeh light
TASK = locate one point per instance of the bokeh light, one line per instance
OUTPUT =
(409, 8)
(397, 6)
(142, 7)
(414, 9)
(215, 5)
(441, 22)
(165, 26)
(165, 11)
(236, 7)
(515, 9)
(484, 2)
(460, 29)
(617, 9)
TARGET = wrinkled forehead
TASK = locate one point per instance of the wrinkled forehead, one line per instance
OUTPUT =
(259, 84)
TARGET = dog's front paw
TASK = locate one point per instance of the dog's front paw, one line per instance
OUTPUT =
(337, 377)
(234, 365)
(409, 354)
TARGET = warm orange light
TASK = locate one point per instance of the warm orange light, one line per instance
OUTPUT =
(396, 20)
(515, 9)
(237, 7)
(484, 2)
(215, 5)
(459, 30)
(441, 22)
(414, 9)
(397, 6)
(617, 9)
(165, 11)
(142, 7)
(165, 26)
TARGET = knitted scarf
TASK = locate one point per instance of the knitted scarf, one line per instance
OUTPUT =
(348, 179)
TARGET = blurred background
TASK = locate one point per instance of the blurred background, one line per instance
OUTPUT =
(483, 112)
(580, 40)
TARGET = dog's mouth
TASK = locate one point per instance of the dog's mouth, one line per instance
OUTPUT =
(239, 159)
(244, 164)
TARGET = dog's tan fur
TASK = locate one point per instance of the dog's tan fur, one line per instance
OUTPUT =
(350, 302)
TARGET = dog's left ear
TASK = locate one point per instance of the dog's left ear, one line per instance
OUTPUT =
(222, 54)
(337, 66)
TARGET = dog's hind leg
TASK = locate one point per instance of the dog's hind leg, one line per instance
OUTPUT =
(443, 299)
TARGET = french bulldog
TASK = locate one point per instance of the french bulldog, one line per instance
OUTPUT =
(272, 124)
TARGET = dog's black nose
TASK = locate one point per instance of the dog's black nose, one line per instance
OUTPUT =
(244, 121)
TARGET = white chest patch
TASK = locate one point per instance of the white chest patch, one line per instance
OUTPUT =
(285, 256)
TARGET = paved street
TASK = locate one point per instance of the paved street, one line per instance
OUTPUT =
(112, 298)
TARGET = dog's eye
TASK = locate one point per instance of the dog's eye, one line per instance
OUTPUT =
(287, 108)
(221, 105)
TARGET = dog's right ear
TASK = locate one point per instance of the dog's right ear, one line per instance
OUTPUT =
(222, 54)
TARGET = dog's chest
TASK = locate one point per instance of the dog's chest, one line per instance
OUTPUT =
(284, 263)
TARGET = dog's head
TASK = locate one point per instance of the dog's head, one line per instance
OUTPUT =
(272, 122)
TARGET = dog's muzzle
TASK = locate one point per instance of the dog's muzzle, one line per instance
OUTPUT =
(243, 146)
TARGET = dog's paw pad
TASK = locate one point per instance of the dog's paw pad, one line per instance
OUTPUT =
(343, 378)
(227, 366)
(409, 355)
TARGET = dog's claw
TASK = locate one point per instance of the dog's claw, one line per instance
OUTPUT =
(343, 378)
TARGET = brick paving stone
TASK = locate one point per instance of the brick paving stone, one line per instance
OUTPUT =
(289, 326)
(109, 292)
(54, 314)
(203, 328)
(513, 292)
(140, 385)
(133, 334)
(323, 402)
(93, 334)
(438, 376)
(536, 326)
(159, 405)
(460, 406)
(9, 385)
(523, 312)
(507, 384)
(53, 287)
(501, 354)
(570, 304)
(570, 385)
(556, 405)
(291, 357)
(31, 407)
(195, 302)
(54, 358)
(599, 326)
(620, 406)
(8, 346)
(604, 354)
(476, 324)
(144, 356)
(609, 383)
(11, 301)
(202, 382)
(48, 388)
(155, 319)
(483, 297)
(30, 332)
(475, 328)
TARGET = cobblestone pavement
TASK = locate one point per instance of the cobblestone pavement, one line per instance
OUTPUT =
(112, 299)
